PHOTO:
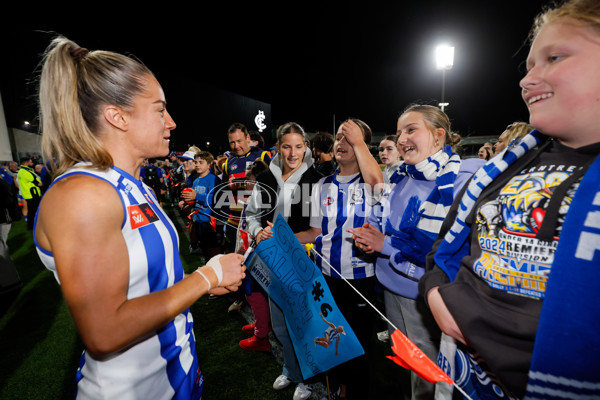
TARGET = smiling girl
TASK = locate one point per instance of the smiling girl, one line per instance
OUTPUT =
(291, 176)
(429, 178)
(521, 253)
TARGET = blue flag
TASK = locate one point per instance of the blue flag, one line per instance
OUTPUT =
(319, 332)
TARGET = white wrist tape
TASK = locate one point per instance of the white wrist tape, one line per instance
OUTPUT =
(205, 278)
(215, 264)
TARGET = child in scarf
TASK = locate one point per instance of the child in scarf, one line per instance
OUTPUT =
(427, 181)
(513, 279)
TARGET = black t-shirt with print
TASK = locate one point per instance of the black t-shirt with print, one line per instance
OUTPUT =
(497, 295)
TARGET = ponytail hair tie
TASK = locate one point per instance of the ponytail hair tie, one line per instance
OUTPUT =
(78, 52)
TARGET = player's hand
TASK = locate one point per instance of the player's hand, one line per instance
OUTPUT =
(233, 270)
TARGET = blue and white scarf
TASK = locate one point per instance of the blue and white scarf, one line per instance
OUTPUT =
(455, 245)
(422, 221)
(565, 362)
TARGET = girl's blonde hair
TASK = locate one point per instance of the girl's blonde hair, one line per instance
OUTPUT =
(517, 129)
(435, 118)
(583, 11)
(75, 86)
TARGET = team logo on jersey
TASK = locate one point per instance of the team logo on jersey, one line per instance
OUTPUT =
(141, 215)
(357, 196)
(327, 201)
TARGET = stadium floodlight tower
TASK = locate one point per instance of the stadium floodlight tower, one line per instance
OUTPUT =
(444, 58)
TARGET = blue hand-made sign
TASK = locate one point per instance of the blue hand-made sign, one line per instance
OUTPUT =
(321, 335)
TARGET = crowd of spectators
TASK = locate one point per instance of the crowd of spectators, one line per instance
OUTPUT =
(191, 179)
(488, 265)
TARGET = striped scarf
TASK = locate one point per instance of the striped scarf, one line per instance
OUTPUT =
(442, 167)
(455, 245)
(565, 358)
(422, 221)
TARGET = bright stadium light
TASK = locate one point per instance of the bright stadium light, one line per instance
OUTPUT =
(444, 59)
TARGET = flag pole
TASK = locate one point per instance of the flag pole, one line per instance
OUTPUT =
(356, 290)
(379, 312)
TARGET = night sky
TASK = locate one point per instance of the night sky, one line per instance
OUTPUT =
(315, 64)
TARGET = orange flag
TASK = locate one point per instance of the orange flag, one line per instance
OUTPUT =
(409, 356)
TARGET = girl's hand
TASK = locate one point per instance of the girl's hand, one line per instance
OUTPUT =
(265, 233)
(352, 133)
(368, 238)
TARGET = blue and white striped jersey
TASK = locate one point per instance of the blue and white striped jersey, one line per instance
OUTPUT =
(343, 203)
(332, 334)
(163, 365)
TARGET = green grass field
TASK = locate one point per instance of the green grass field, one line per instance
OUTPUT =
(40, 348)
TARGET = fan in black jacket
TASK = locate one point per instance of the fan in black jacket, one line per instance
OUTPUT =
(285, 188)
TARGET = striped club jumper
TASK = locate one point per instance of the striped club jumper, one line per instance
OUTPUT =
(164, 364)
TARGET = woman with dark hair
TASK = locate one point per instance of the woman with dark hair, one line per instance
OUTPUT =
(322, 149)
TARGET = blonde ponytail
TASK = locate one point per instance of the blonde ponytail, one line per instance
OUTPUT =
(75, 86)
